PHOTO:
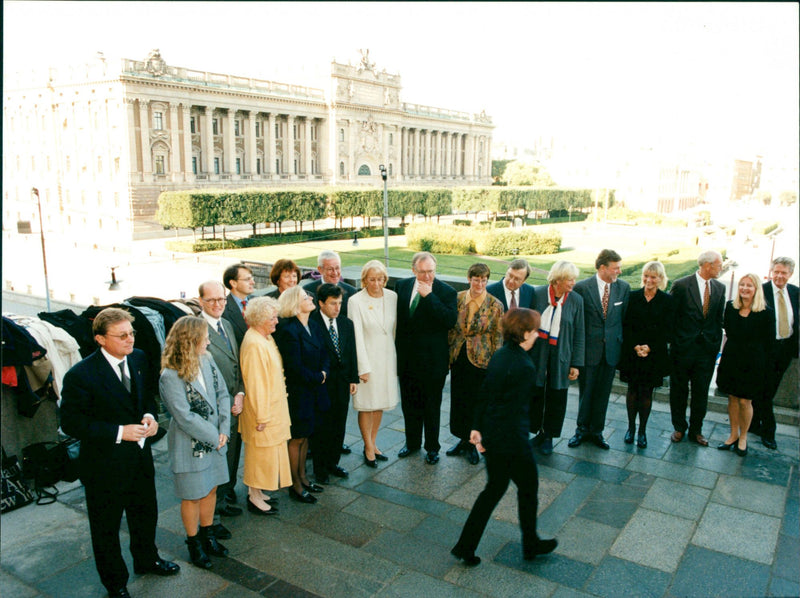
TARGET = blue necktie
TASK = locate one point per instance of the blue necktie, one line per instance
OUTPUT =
(335, 339)
(221, 331)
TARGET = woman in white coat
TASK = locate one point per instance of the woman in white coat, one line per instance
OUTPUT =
(373, 311)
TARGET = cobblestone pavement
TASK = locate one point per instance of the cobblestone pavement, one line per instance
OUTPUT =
(668, 520)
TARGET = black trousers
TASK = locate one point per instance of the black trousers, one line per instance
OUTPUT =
(326, 441)
(233, 455)
(465, 383)
(421, 401)
(763, 415)
(502, 468)
(594, 383)
(694, 367)
(137, 499)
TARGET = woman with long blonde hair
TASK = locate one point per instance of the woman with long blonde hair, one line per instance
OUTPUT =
(195, 395)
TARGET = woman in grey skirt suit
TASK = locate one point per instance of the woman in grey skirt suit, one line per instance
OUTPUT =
(194, 393)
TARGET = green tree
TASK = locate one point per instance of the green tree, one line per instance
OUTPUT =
(527, 174)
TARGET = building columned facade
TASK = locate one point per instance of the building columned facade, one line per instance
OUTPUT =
(101, 143)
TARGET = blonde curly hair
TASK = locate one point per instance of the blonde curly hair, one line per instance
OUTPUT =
(181, 350)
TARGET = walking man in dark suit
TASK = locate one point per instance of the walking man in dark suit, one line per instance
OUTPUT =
(108, 404)
(699, 301)
(225, 351)
(340, 341)
(238, 279)
(605, 300)
(426, 311)
(783, 299)
(513, 291)
(330, 267)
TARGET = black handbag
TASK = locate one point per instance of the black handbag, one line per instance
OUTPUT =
(15, 492)
(47, 463)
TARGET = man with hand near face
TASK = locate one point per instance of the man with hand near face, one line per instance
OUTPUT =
(426, 311)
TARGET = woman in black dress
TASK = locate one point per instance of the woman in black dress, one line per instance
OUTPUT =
(501, 431)
(749, 330)
(645, 360)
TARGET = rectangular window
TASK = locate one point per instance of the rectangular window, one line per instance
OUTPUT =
(192, 124)
(215, 126)
(194, 164)
(295, 166)
(391, 139)
(158, 120)
(216, 165)
(237, 131)
(294, 131)
(313, 132)
(258, 129)
(160, 165)
(277, 165)
(277, 130)
(238, 166)
(116, 165)
(258, 166)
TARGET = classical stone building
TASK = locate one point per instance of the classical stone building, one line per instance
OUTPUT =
(101, 141)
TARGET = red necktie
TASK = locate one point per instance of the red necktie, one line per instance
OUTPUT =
(513, 300)
(605, 300)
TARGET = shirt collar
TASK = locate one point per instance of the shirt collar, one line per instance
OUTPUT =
(211, 319)
(113, 361)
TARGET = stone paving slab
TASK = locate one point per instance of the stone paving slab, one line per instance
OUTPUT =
(677, 499)
(742, 493)
(654, 539)
(703, 573)
(615, 577)
(722, 529)
(572, 540)
(496, 580)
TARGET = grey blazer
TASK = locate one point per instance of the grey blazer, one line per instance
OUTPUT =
(186, 425)
(227, 359)
(603, 337)
(571, 341)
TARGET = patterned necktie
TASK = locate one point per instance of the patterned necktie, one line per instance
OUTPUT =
(221, 331)
(605, 300)
(706, 300)
(513, 300)
(126, 381)
(244, 305)
(783, 316)
(335, 338)
(414, 302)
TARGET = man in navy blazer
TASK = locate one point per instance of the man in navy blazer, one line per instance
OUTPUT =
(783, 299)
(329, 265)
(697, 336)
(342, 382)
(605, 300)
(238, 279)
(426, 311)
(108, 404)
(513, 289)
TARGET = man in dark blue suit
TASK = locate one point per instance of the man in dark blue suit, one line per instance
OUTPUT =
(238, 279)
(783, 299)
(605, 300)
(108, 404)
(342, 382)
(513, 291)
(426, 311)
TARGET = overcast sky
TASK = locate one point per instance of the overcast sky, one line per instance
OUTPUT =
(717, 74)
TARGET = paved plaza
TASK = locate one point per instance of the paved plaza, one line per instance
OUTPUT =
(669, 520)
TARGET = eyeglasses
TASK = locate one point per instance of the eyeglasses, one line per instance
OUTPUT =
(248, 279)
(123, 336)
(222, 300)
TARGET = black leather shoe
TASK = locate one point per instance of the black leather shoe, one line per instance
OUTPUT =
(575, 441)
(456, 449)
(432, 457)
(770, 444)
(629, 437)
(160, 567)
(340, 472)
(473, 457)
(229, 510)
(599, 442)
(222, 532)
(541, 547)
(405, 452)
(346, 450)
(740, 452)
(538, 439)
(305, 497)
(210, 543)
(641, 441)
(381, 457)
(727, 447)
(469, 558)
(546, 446)
(313, 487)
(323, 479)
(120, 593)
(370, 462)
(256, 511)
(230, 496)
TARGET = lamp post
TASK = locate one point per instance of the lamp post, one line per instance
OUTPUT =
(385, 216)
(35, 192)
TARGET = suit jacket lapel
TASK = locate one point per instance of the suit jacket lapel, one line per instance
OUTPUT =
(116, 391)
(208, 379)
(694, 292)
(594, 295)
(219, 342)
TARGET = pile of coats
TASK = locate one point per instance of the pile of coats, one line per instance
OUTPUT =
(38, 351)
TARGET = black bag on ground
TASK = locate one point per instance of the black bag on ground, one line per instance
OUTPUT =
(15, 492)
(47, 463)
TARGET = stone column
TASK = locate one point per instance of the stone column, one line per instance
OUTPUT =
(288, 147)
(134, 161)
(175, 149)
(186, 113)
(469, 157)
(269, 146)
(207, 137)
(252, 152)
(426, 148)
(144, 130)
(324, 142)
(488, 148)
(229, 143)
(459, 156)
(417, 153)
(307, 149)
(438, 162)
(445, 154)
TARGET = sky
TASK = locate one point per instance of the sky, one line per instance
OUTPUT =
(716, 75)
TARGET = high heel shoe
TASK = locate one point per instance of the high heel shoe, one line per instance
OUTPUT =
(370, 462)
(305, 497)
(629, 436)
(727, 447)
(381, 457)
(738, 451)
(254, 509)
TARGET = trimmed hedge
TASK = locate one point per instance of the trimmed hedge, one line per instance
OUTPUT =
(519, 242)
(762, 227)
(451, 239)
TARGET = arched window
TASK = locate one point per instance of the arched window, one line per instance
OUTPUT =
(341, 134)
(363, 170)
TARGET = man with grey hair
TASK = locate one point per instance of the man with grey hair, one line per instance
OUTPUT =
(699, 301)
(782, 297)
(513, 291)
(329, 265)
(426, 311)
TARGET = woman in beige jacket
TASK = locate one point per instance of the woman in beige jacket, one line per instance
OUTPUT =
(264, 421)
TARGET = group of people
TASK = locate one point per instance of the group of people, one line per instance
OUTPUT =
(277, 373)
